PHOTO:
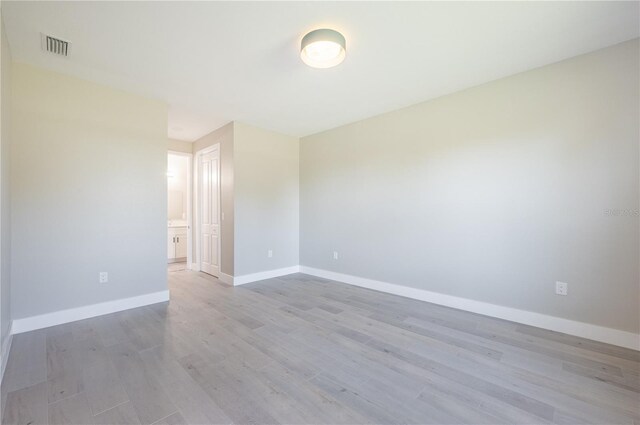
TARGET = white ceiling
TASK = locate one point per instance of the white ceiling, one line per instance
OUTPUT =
(218, 62)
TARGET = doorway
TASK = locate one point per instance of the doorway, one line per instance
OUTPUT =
(207, 216)
(179, 235)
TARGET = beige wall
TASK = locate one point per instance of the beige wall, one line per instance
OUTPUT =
(223, 136)
(88, 178)
(180, 146)
(494, 193)
(266, 193)
(5, 194)
(259, 199)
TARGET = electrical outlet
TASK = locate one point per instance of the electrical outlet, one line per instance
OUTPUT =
(270, 253)
(335, 255)
(562, 288)
(104, 277)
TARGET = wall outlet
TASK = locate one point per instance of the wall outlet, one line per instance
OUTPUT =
(562, 288)
(335, 255)
(270, 253)
(104, 277)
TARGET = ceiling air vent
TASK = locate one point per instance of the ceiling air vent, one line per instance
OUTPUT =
(55, 45)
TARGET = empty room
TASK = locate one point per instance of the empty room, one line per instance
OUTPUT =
(320, 212)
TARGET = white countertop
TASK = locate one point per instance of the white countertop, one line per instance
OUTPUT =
(177, 223)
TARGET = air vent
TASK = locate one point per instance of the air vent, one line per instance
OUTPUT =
(55, 45)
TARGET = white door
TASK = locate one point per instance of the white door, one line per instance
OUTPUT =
(208, 213)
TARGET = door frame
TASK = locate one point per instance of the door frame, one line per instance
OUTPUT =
(189, 204)
(196, 266)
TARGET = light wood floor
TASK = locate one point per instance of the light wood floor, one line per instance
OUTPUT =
(301, 350)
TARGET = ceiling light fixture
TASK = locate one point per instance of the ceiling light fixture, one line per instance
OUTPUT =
(323, 48)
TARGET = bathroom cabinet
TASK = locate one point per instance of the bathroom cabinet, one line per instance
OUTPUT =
(177, 244)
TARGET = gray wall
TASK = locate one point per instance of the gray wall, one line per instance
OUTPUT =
(89, 194)
(266, 175)
(493, 193)
(223, 136)
(5, 193)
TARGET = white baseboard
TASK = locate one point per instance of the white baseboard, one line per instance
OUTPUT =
(558, 324)
(194, 267)
(6, 349)
(71, 315)
(247, 278)
(226, 278)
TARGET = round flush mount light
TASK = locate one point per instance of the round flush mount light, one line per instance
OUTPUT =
(323, 48)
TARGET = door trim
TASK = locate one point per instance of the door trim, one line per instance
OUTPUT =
(189, 204)
(196, 266)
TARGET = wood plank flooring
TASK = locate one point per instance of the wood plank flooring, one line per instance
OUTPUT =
(304, 350)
